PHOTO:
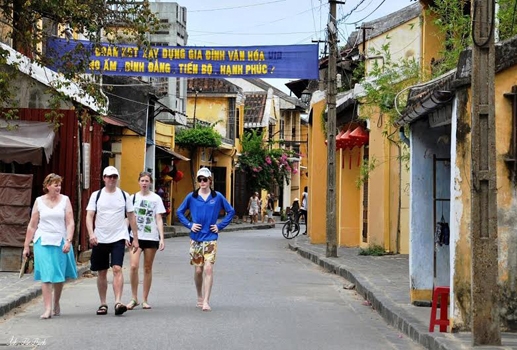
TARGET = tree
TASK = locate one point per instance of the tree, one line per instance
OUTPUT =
(265, 167)
(195, 138)
(29, 24)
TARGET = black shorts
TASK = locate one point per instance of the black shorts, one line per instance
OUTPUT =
(102, 252)
(146, 244)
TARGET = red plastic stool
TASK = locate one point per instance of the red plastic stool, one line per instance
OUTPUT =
(443, 322)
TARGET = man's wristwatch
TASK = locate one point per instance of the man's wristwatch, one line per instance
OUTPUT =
(69, 240)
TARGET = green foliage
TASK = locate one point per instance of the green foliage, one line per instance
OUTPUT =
(454, 22)
(199, 136)
(507, 18)
(265, 167)
(373, 250)
(28, 24)
(386, 78)
(367, 166)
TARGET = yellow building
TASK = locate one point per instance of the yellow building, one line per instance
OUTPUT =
(217, 103)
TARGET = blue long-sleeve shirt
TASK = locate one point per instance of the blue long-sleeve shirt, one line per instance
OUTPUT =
(205, 213)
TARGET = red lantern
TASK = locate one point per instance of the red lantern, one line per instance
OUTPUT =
(339, 141)
(178, 176)
(359, 136)
(346, 141)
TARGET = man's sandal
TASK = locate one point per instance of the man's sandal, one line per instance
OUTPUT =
(132, 304)
(120, 309)
(102, 310)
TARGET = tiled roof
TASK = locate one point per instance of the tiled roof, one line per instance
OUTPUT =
(254, 107)
(211, 85)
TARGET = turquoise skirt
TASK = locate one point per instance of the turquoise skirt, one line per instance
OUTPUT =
(52, 265)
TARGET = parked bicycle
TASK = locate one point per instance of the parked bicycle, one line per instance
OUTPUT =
(291, 228)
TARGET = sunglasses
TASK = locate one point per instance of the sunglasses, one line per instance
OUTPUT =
(112, 176)
(202, 179)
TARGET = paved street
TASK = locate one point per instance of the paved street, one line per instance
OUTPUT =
(265, 296)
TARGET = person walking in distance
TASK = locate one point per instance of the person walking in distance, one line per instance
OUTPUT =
(204, 205)
(270, 207)
(51, 227)
(254, 207)
(148, 209)
(109, 208)
(305, 207)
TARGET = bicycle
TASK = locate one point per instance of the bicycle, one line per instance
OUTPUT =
(291, 228)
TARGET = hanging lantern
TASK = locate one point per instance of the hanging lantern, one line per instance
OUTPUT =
(346, 141)
(359, 136)
(178, 176)
(339, 141)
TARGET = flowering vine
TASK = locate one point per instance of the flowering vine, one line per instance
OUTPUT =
(264, 166)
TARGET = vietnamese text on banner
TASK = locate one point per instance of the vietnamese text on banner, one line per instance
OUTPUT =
(289, 61)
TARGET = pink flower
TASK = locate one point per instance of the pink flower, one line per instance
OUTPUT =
(268, 160)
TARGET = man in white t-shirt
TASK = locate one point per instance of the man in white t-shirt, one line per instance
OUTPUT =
(109, 207)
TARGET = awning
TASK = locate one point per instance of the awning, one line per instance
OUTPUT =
(172, 153)
(114, 121)
(26, 141)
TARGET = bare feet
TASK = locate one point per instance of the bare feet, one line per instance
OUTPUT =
(206, 307)
(57, 310)
(46, 315)
(199, 303)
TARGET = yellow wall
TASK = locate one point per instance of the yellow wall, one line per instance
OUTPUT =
(317, 176)
(432, 41)
(506, 202)
(349, 197)
(132, 160)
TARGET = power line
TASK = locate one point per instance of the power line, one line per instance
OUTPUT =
(237, 7)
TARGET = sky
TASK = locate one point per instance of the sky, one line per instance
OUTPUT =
(276, 22)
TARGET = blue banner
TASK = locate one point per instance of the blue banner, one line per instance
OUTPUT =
(289, 61)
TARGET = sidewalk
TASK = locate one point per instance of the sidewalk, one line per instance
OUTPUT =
(16, 291)
(384, 282)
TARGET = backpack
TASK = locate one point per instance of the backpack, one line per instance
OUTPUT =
(123, 195)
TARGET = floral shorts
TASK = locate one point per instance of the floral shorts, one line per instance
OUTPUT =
(202, 252)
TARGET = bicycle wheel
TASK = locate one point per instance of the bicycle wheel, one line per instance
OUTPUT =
(288, 230)
(296, 229)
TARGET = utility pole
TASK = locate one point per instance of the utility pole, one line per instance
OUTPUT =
(331, 251)
(483, 212)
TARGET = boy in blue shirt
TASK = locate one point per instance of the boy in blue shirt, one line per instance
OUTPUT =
(204, 205)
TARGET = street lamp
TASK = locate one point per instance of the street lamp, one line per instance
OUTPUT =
(306, 96)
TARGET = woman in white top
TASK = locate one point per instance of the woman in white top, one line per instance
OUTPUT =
(148, 209)
(51, 227)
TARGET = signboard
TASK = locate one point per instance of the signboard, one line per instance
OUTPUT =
(86, 165)
(290, 61)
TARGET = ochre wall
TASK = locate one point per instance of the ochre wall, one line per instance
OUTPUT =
(317, 176)
(132, 160)
(349, 197)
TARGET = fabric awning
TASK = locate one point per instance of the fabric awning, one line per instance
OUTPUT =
(172, 153)
(26, 141)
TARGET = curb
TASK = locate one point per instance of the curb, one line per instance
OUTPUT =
(33, 292)
(389, 311)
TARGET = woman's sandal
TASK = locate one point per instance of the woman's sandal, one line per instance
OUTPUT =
(146, 306)
(102, 310)
(132, 304)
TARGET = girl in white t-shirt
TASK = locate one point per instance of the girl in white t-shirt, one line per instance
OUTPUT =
(148, 209)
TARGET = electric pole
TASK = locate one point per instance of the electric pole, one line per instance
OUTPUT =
(331, 251)
(484, 257)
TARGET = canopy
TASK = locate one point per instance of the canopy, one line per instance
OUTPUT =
(26, 141)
